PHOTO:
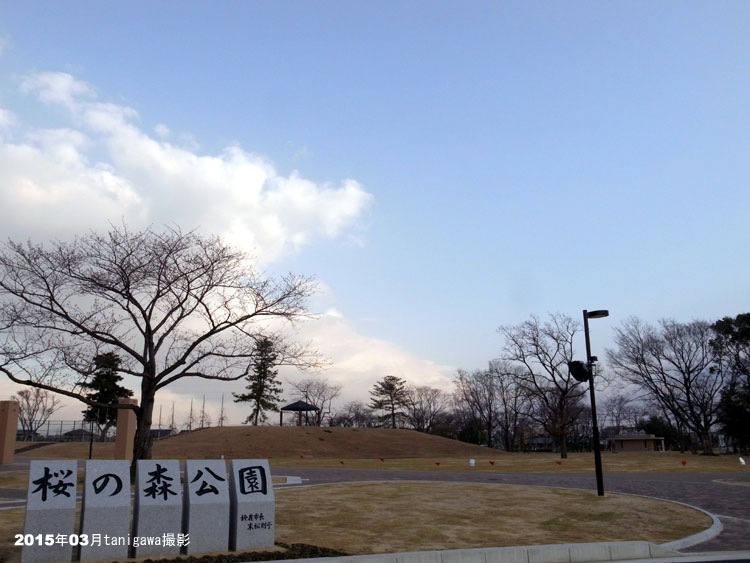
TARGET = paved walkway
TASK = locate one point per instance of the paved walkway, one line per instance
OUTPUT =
(711, 492)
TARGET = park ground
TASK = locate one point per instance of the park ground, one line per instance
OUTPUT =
(408, 491)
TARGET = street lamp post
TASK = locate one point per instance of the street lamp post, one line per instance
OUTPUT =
(590, 365)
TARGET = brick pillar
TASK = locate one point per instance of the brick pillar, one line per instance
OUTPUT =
(125, 431)
(8, 429)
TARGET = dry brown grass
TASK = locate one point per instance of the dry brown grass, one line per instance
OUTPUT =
(408, 516)
(14, 479)
(668, 462)
(398, 449)
(11, 523)
(270, 442)
(412, 516)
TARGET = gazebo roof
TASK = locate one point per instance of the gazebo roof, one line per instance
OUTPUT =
(300, 406)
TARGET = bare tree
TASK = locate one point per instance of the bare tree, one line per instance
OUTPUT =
(320, 393)
(542, 352)
(35, 407)
(477, 393)
(171, 304)
(617, 410)
(673, 364)
(355, 414)
(425, 406)
(513, 404)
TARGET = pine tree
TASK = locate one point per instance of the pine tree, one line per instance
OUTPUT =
(388, 395)
(264, 391)
(105, 389)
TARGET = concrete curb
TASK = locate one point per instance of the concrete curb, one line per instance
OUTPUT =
(558, 553)
(700, 537)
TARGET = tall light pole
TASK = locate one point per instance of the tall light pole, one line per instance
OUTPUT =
(583, 373)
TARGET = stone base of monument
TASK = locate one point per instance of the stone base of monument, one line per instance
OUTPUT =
(105, 509)
(50, 511)
(252, 520)
(206, 505)
(44, 522)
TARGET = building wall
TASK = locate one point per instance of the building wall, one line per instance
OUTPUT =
(644, 445)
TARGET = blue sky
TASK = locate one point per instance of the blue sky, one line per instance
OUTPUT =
(479, 162)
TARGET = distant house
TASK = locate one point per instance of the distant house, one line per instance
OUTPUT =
(27, 435)
(541, 443)
(637, 443)
(159, 433)
(77, 435)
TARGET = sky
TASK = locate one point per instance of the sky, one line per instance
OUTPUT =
(440, 168)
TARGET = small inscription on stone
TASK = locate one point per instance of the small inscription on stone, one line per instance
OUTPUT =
(252, 504)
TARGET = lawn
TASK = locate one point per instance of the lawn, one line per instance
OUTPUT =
(404, 516)
(382, 517)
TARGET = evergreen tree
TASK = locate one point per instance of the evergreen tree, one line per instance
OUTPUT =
(389, 395)
(731, 347)
(264, 391)
(105, 388)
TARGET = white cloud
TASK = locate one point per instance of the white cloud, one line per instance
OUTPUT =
(162, 130)
(57, 88)
(358, 361)
(6, 119)
(105, 166)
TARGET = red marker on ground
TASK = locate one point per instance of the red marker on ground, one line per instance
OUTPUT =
(684, 463)
(492, 463)
(437, 463)
(381, 459)
(341, 462)
(558, 462)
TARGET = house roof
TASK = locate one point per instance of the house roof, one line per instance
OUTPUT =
(300, 406)
(637, 437)
(77, 432)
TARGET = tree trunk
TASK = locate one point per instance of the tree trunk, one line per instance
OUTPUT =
(143, 440)
(103, 431)
(564, 445)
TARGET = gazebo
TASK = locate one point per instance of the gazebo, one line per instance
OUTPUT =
(299, 407)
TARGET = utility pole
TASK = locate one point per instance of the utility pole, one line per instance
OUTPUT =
(222, 415)
(190, 418)
(172, 426)
(203, 411)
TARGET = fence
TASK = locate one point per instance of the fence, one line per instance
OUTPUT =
(63, 431)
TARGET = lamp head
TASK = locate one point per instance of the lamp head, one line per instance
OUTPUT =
(598, 314)
(579, 371)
